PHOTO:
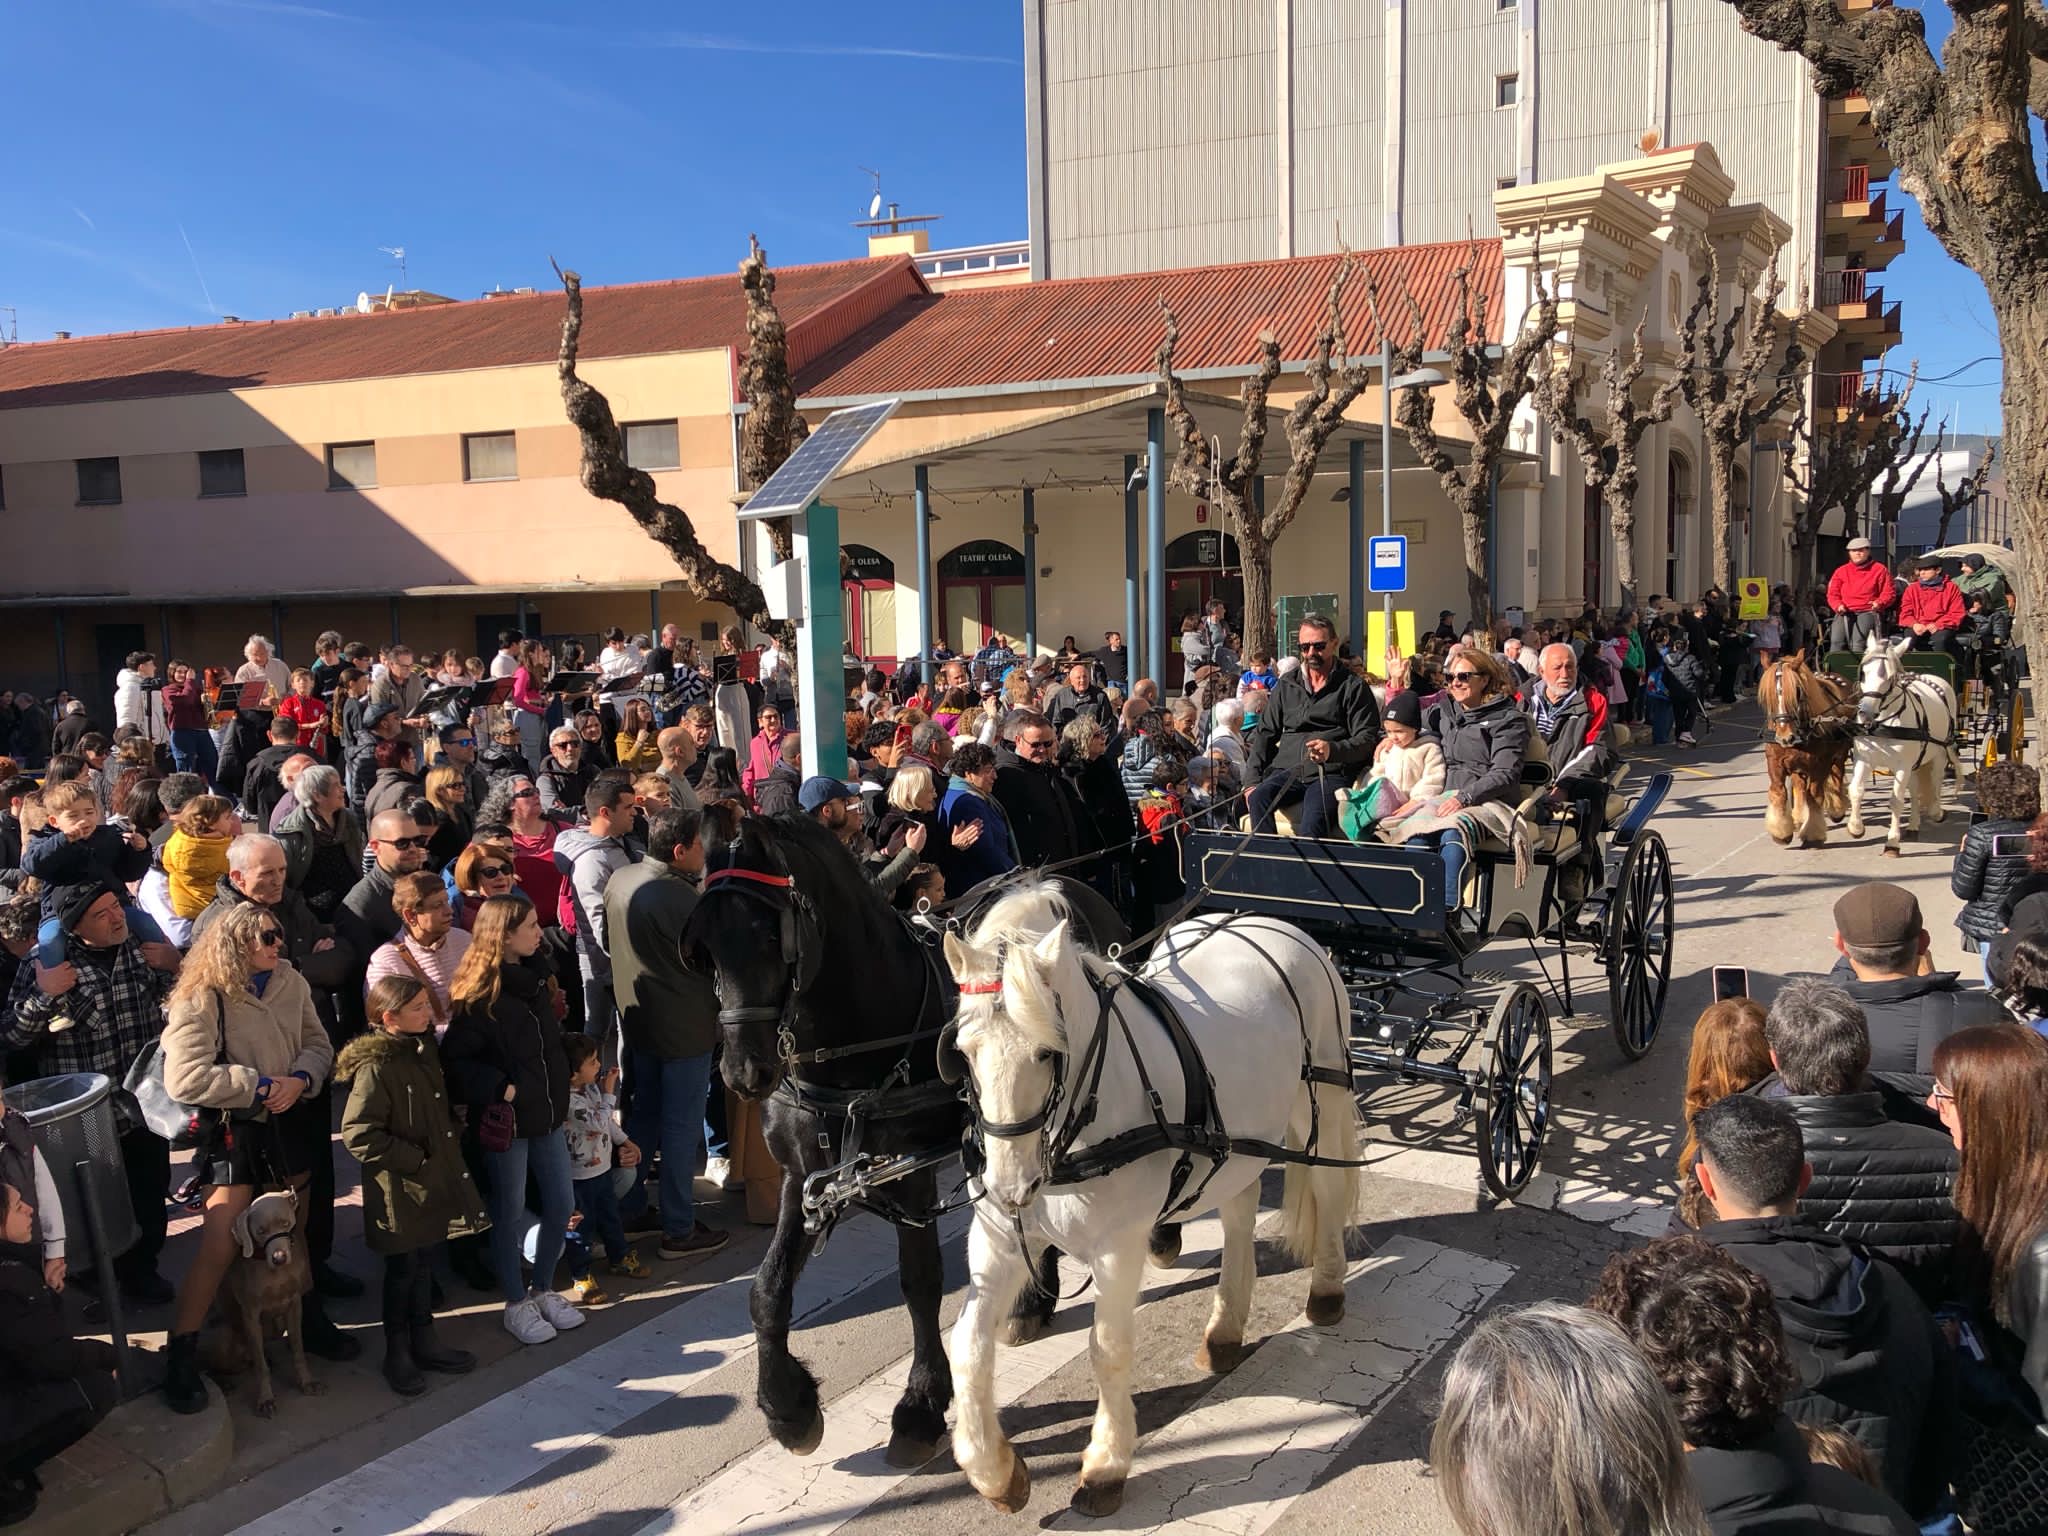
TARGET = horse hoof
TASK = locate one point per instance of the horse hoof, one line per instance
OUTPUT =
(1164, 1247)
(1017, 1492)
(1098, 1499)
(1219, 1357)
(1022, 1329)
(908, 1452)
(806, 1440)
(1782, 842)
(1325, 1309)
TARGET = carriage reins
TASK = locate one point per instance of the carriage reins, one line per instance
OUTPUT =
(1886, 731)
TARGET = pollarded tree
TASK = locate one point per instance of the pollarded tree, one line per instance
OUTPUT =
(773, 428)
(605, 473)
(1726, 378)
(1332, 382)
(1837, 466)
(1608, 452)
(1908, 464)
(1488, 385)
(1961, 134)
(1965, 494)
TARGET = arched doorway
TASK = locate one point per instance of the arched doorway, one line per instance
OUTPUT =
(1202, 567)
(1677, 506)
(981, 591)
(868, 578)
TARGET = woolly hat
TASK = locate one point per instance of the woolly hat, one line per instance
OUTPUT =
(1404, 709)
(74, 901)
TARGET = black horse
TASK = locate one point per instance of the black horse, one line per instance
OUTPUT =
(827, 995)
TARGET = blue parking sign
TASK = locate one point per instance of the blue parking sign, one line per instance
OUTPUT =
(1387, 563)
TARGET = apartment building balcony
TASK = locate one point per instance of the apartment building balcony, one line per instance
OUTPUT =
(1858, 226)
(1852, 136)
(1858, 308)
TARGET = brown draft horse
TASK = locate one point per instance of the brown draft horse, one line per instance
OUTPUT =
(1807, 715)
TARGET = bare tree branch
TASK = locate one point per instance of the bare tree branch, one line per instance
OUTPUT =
(606, 474)
(1842, 462)
(1965, 493)
(773, 427)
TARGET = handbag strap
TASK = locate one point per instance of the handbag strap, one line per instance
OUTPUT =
(433, 997)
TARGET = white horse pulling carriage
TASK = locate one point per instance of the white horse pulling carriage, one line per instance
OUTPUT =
(1906, 726)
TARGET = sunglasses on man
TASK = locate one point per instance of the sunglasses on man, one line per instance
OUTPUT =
(1311, 647)
(408, 842)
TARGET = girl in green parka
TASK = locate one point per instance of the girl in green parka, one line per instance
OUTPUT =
(417, 1191)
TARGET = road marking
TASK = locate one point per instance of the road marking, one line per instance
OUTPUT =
(1697, 773)
(771, 1490)
(1234, 1463)
(436, 1479)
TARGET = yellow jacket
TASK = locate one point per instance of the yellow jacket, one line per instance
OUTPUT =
(193, 866)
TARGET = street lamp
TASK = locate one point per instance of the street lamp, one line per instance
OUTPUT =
(1421, 378)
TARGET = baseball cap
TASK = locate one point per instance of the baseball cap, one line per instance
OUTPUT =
(378, 712)
(1878, 915)
(821, 790)
(1859, 542)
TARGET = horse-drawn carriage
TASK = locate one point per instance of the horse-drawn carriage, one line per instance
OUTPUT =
(1379, 909)
(1990, 723)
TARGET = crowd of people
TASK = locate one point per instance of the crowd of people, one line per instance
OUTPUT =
(436, 906)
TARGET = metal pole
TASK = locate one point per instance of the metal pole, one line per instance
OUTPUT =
(1030, 574)
(394, 619)
(820, 643)
(522, 616)
(63, 656)
(926, 636)
(1130, 571)
(163, 629)
(1374, 663)
(1155, 546)
(277, 626)
(103, 1268)
(1354, 613)
(654, 615)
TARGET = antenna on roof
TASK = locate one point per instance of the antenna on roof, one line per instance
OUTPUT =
(397, 254)
(363, 302)
(875, 202)
(10, 338)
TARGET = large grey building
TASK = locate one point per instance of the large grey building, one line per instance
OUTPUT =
(1174, 133)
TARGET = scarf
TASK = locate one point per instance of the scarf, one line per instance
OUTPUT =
(1547, 712)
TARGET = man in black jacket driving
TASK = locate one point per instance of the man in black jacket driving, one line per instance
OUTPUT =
(1317, 728)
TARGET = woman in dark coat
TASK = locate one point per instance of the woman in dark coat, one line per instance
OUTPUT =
(2009, 795)
(504, 1051)
(1485, 736)
(53, 1387)
(1109, 824)
(417, 1192)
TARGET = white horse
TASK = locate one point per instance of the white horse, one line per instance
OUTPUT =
(1905, 721)
(1038, 1017)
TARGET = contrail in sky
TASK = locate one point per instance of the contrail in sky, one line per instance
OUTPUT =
(195, 268)
(85, 218)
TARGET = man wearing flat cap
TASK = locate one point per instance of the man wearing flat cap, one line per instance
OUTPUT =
(1887, 968)
(1858, 595)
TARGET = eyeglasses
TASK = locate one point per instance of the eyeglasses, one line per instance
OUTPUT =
(270, 936)
(1940, 1095)
(1462, 677)
(460, 741)
(526, 794)
(493, 871)
(406, 842)
(1311, 647)
(1035, 743)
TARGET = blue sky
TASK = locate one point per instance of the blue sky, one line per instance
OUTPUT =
(250, 157)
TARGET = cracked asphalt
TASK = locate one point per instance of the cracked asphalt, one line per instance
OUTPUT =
(1318, 1429)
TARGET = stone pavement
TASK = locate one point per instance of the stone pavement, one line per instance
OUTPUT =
(644, 1421)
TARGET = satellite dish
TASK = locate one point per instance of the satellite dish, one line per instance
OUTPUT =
(875, 205)
(363, 303)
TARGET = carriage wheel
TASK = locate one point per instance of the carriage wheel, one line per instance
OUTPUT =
(1638, 946)
(1517, 1109)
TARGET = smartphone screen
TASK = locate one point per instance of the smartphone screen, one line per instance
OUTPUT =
(1730, 981)
(2012, 845)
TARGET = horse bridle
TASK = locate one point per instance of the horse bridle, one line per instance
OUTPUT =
(793, 909)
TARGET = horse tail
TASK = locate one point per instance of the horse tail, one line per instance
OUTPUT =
(1317, 1204)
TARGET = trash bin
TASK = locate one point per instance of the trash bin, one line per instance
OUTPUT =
(73, 1118)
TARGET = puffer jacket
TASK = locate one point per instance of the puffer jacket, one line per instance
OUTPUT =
(392, 790)
(215, 1050)
(302, 835)
(517, 1042)
(1908, 1017)
(1985, 880)
(1869, 1356)
(1483, 748)
(2027, 1296)
(1880, 1183)
(399, 1125)
(1045, 814)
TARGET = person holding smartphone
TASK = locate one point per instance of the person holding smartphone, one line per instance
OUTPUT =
(1996, 851)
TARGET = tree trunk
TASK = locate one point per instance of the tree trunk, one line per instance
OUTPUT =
(1256, 553)
(1721, 487)
(2022, 314)
(1477, 593)
(1621, 517)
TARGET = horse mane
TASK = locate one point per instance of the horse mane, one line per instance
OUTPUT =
(1018, 920)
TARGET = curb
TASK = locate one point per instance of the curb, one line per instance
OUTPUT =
(141, 1462)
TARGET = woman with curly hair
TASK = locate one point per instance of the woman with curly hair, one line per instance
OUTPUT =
(1710, 1332)
(242, 1037)
(1729, 1053)
(2009, 795)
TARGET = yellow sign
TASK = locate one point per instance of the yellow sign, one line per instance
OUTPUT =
(1753, 598)
(1375, 657)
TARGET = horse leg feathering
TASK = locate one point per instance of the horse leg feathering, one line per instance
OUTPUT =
(995, 1273)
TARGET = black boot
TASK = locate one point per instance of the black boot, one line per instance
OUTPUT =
(184, 1387)
(428, 1352)
(400, 1369)
(322, 1337)
(17, 1498)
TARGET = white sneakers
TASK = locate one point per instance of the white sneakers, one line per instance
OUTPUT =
(557, 1310)
(523, 1320)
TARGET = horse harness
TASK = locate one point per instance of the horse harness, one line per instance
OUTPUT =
(1804, 722)
(1885, 731)
(1198, 1133)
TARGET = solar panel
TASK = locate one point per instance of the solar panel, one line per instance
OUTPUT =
(796, 485)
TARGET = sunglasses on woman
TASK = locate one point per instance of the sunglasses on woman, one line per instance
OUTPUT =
(493, 871)
(270, 936)
(1462, 677)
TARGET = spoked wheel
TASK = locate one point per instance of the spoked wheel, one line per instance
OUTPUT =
(1638, 948)
(1517, 1111)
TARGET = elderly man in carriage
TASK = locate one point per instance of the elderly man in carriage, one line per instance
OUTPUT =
(1316, 731)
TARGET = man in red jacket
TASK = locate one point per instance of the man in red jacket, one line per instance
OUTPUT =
(1932, 607)
(1858, 594)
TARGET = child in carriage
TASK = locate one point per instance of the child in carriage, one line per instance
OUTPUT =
(1406, 766)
